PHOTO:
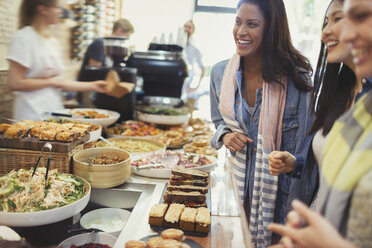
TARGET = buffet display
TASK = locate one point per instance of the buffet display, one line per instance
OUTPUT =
(139, 147)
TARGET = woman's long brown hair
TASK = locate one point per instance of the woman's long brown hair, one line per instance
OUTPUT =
(279, 55)
(335, 84)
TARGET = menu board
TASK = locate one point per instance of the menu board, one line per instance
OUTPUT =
(8, 25)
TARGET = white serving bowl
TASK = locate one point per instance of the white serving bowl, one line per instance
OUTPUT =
(121, 140)
(109, 220)
(104, 122)
(102, 176)
(163, 119)
(85, 238)
(46, 216)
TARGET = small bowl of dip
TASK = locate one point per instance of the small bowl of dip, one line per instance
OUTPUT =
(109, 220)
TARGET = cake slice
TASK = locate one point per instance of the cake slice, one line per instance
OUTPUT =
(156, 215)
(189, 173)
(178, 180)
(203, 220)
(187, 188)
(179, 196)
(187, 221)
(172, 217)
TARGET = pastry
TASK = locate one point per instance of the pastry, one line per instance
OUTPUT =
(173, 214)
(203, 220)
(169, 243)
(135, 244)
(156, 215)
(16, 132)
(67, 136)
(4, 127)
(154, 242)
(172, 233)
(187, 221)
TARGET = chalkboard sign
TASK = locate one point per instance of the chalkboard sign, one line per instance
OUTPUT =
(8, 25)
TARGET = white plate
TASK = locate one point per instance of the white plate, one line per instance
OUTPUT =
(85, 238)
(46, 216)
(104, 122)
(105, 215)
(166, 173)
(132, 137)
(163, 119)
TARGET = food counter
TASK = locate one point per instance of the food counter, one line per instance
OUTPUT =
(139, 194)
(226, 228)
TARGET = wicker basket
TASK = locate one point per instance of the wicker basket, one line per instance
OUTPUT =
(11, 159)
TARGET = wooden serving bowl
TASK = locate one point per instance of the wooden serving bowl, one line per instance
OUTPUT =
(102, 176)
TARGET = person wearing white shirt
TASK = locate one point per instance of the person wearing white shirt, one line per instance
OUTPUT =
(35, 63)
(193, 60)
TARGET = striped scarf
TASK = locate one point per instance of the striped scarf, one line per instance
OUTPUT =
(268, 139)
(347, 158)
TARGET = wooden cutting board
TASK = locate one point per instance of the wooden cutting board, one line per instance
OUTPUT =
(31, 143)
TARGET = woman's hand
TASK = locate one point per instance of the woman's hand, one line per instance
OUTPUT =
(281, 162)
(99, 86)
(235, 141)
(318, 233)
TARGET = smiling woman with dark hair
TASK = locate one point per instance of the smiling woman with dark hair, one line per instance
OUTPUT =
(260, 103)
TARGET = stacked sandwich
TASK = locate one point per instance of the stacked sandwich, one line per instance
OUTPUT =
(188, 187)
(184, 204)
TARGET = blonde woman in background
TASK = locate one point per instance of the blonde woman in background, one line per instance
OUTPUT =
(35, 63)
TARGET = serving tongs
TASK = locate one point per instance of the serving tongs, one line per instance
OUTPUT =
(107, 142)
(46, 148)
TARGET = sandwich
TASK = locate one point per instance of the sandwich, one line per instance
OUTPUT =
(183, 176)
(187, 188)
(180, 196)
(178, 180)
(190, 173)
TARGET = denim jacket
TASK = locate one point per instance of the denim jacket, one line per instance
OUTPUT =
(296, 121)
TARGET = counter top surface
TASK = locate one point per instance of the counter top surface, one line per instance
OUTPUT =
(226, 230)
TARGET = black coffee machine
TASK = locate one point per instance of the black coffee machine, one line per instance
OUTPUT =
(162, 68)
(117, 50)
